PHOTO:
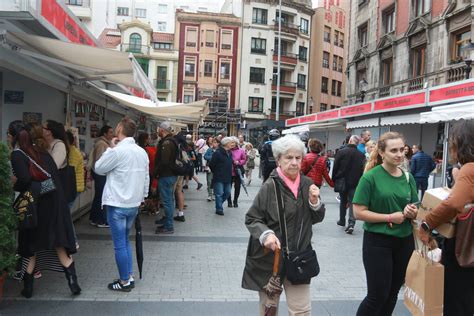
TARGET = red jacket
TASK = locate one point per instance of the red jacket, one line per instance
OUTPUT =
(318, 171)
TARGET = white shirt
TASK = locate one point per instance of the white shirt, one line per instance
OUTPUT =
(126, 168)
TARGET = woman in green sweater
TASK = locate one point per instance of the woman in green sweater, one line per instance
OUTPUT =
(384, 201)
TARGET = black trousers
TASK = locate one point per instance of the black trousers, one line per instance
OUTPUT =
(385, 261)
(458, 284)
(346, 199)
(97, 214)
(236, 183)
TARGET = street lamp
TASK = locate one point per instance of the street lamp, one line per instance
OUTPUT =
(363, 84)
(466, 49)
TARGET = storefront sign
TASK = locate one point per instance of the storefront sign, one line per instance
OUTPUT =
(356, 110)
(292, 121)
(329, 115)
(442, 95)
(410, 100)
(307, 119)
(212, 124)
(64, 23)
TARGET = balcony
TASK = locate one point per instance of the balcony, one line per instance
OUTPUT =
(135, 49)
(456, 74)
(162, 84)
(261, 51)
(384, 91)
(284, 115)
(80, 8)
(416, 84)
(287, 28)
(285, 87)
(286, 58)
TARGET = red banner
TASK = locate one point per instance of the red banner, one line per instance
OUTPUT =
(356, 110)
(307, 119)
(453, 92)
(64, 23)
(329, 115)
(399, 102)
(292, 121)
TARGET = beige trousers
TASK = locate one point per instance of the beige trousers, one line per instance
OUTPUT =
(298, 299)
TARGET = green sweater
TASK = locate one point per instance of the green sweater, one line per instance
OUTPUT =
(385, 194)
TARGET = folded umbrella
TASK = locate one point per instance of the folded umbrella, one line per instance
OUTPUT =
(273, 288)
(239, 172)
(139, 244)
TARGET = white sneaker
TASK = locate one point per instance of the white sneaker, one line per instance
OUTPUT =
(209, 198)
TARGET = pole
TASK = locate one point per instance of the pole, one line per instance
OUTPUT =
(445, 154)
(277, 112)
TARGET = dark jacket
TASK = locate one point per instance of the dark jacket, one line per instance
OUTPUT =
(221, 166)
(348, 164)
(166, 157)
(421, 165)
(263, 216)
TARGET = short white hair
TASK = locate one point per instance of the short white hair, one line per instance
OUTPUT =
(282, 145)
(227, 140)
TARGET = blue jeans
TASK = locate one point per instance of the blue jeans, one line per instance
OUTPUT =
(222, 192)
(121, 221)
(166, 187)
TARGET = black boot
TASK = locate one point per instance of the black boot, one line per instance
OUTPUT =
(27, 285)
(72, 279)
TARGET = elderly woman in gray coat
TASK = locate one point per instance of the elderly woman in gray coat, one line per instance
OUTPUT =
(302, 209)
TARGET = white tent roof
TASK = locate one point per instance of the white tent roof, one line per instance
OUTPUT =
(363, 123)
(296, 130)
(400, 119)
(453, 112)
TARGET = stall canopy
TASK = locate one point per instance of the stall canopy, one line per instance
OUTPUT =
(363, 123)
(81, 62)
(400, 119)
(189, 112)
(453, 112)
(296, 130)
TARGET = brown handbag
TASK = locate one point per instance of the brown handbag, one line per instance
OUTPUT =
(465, 239)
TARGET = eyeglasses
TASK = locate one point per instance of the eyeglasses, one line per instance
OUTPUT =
(46, 128)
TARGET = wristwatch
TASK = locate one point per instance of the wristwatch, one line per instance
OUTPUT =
(425, 226)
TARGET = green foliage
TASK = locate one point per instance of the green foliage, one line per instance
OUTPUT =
(7, 217)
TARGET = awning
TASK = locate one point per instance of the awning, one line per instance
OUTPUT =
(296, 129)
(81, 62)
(453, 112)
(363, 123)
(400, 119)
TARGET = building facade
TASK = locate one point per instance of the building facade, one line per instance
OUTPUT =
(406, 45)
(328, 56)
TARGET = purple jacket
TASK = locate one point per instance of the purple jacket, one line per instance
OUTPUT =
(238, 154)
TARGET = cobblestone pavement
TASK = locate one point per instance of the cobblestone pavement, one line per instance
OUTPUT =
(198, 270)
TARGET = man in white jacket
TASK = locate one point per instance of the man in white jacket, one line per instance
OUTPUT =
(126, 166)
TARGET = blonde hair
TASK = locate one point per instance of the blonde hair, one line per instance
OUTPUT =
(375, 159)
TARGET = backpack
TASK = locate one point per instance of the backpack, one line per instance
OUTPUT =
(182, 165)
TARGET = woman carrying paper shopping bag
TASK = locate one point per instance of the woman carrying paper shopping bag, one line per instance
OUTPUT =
(383, 199)
(458, 273)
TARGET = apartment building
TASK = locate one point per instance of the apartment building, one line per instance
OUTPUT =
(328, 56)
(406, 45)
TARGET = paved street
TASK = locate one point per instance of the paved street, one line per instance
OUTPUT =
(196, 271)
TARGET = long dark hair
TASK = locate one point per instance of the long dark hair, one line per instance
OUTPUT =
(461, 142)
(58, 132)
(142, 139)
(22, 138)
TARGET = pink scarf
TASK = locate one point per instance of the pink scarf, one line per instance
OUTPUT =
(293, 185)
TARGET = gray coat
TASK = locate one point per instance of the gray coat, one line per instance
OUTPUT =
(263, 215)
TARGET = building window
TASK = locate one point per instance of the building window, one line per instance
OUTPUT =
(323, 107)
(339, 89)
(163, 46)
(140, 13)
(257, 75)
(459, 39)
(258, 45)
(327, 34)
(334, 87)
(161, 27)
(304, 26)
(301, 81)
(190, 68)
(361, 76)
(333, 107)
(310, 109)
(259, 16)
(188, 98)
(255, 104)
(226, 40)
(161, 77)
(74, 2)
(387, 70)
(303, 53)
(420, 7)
(209, 38)
(334, 62)
(325, 60)
(299, 108)
(336, 38)
(163, 8)
(339, 64)
(208, 68)
(122, 11)
(388, 20)
(225, 70)
(135, 45)
(341, 40)
(324, 85)
(363, 35)
(418, 61)
(191, 37)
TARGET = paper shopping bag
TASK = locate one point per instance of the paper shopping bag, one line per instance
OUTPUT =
(424, 286)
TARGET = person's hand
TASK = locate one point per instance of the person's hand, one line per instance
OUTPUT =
(424, 236)
(114, 142)
(410, 211)
(272, 242)
(313, 194)
(397, 217)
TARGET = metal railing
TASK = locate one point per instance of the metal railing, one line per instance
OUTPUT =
(416, 84)
(162, 84)
(136, 49)
(285, 54)
(258, 50)
(79, 3)
(384, 91)
(287, 27)
(457, 74)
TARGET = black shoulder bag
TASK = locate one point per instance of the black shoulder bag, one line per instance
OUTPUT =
(300, 265)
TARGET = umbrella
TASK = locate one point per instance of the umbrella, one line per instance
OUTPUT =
(242, 181)
(139, 244)
(273, 288)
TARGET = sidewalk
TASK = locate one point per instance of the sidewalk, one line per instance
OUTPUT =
(197, 270)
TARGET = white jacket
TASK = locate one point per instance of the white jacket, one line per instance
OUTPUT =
(126, 168)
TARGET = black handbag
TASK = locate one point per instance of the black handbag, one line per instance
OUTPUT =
(340, 185)
(300, 265)
(68, 178)
(25, 210)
